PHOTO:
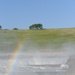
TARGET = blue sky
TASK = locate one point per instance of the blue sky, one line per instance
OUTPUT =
(50, 13)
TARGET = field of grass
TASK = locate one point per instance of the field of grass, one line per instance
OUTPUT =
(43, 39)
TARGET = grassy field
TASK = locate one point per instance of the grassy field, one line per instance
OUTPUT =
(40, 39)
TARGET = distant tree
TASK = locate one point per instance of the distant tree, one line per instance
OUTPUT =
(15, 28)
(36, 26)
(30, 27)
(0, 27)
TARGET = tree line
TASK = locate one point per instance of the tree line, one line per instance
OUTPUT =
(36, 27)
(31, 27)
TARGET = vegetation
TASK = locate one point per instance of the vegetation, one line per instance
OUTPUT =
(43, 39)
(32, 27)
(0, 27)
(36, 26)
(15, 28)
(52, 38)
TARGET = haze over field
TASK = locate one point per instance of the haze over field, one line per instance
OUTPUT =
(56, 39)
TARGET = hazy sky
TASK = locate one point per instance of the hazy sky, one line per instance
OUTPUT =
(50, 13)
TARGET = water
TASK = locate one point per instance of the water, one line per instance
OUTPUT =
(35, 65)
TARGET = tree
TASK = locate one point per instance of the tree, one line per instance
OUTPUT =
(36, 26)
(15, 28)
(0, 27)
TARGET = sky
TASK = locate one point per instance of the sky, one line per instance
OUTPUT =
(50, 13)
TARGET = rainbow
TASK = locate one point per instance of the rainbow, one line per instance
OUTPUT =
(14, 56)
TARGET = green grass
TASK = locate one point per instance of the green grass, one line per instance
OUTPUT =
(47, 38)
(53, 36)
